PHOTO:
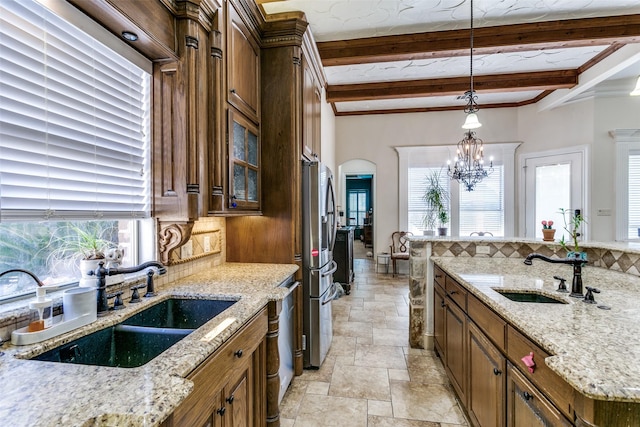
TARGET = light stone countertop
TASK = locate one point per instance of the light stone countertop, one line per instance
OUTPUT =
(596, 351)
(61, 394)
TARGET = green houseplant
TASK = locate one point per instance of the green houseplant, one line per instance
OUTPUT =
(572, 226)
(436, 198)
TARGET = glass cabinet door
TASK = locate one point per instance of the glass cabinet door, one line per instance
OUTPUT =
(244, 163)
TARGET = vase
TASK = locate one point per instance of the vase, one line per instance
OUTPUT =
(442, 231)
(548, 234)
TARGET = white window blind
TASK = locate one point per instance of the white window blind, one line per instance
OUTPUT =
(634, 195)
(417, 184)
(74, 122)
(482, 209)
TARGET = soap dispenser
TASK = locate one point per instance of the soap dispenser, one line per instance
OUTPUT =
(44, 306)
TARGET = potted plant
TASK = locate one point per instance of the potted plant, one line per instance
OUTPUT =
(82, 246)
(437, 198)
(548, 232)
(573, 228)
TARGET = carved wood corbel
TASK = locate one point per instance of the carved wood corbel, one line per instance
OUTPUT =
(170, 237)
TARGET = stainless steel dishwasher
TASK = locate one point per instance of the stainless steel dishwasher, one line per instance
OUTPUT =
(285, 339)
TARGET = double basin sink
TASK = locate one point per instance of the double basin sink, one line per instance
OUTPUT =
(141, 337)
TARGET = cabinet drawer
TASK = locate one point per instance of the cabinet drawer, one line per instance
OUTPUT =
(560, 393)
(438, 276)
(213, 373)
(491, 324)
(456, 292)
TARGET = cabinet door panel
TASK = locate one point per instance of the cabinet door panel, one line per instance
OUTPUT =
(440, 312)
(486, 380)
(243, 67)
(244, 163)
(526, 406)
(455, 351)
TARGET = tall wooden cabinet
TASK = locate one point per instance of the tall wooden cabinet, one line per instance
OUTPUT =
(276, 235)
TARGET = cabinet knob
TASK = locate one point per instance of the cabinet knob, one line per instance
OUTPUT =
(232, 91)
(443, 304)
(238, 353)
(526, 395)
(230, 399)
(497, 371)
(221, 411)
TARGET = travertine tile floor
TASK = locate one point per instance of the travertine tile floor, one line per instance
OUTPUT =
(371, 378)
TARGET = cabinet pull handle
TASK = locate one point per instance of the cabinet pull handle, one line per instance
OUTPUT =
(497, 371)
(238, 353)
(442, 304)
(438, 276)
(230, 399)
(526, 395)
(453, 292)
(221, 411)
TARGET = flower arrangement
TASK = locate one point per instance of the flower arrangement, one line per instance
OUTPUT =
(547, 225)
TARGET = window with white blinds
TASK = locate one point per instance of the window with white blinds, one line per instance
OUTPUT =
(74, 122)
(482, 210)
(634, 195)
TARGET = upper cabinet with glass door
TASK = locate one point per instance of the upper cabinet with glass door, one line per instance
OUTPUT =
(244, 163)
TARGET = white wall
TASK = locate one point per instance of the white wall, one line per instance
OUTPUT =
(586, 122)
(373, 137)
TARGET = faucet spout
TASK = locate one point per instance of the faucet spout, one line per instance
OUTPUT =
(101, 273)
(27, 272)
(576, 285)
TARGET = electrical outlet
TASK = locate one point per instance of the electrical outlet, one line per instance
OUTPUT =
(483, 250)
(186, 251)
(207, 243)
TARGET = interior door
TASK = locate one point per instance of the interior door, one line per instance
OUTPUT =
(552, 182)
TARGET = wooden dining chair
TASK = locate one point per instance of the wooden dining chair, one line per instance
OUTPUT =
(399, 248)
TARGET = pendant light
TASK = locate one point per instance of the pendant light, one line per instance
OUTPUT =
(468, 167)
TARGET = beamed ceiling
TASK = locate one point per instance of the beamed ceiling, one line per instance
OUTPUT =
(391, 56)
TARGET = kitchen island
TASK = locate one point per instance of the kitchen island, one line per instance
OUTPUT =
(61, 394)
(586, 354)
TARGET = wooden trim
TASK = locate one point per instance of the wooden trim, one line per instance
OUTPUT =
(486, 40)
(542, 80)
(273, 364)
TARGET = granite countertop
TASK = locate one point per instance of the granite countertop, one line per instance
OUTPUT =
(60, 394)
(596, 351)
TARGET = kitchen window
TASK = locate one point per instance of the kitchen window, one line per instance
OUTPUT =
(488, 208)
(74, 136)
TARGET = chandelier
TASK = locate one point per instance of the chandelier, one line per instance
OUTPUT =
(468, 168)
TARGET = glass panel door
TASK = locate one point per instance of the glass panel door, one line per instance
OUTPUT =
(551, 183)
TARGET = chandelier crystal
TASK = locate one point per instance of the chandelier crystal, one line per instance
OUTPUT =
(468, 167)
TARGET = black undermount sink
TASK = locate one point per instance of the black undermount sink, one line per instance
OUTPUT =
(529, 297)
(140, 338)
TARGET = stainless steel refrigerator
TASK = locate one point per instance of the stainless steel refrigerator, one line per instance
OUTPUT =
(319, 225)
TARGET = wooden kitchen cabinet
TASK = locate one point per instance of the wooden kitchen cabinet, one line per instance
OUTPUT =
(487, 386)
(456, 348)
(311, 106)
(439, 315)
(526, 406)
(243, 63)
(229, 387)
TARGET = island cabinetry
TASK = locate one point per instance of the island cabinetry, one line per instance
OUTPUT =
(229, 387)
(456, 348)
(487, 387)
(528, 407)
(554, 387)
(439, 310)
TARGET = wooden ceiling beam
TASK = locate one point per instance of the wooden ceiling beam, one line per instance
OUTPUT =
(542, 80)
(486, 40)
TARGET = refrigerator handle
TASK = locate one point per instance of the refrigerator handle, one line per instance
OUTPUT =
(333, 295)
(331, 211)
(334, 267)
